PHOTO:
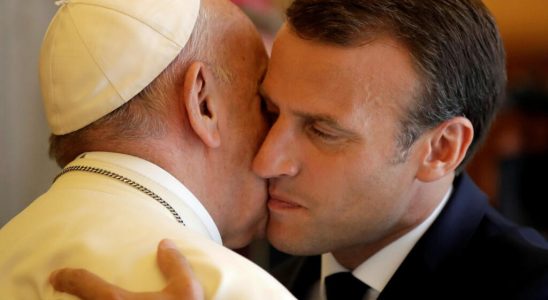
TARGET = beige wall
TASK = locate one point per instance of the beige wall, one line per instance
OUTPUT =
(25, 169)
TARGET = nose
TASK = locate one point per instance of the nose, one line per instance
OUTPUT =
(277, 155)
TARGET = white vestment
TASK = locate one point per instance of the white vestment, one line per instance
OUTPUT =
(92, 221)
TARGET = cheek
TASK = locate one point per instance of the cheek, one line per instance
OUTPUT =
(253, 127)
(247, 134)
(354, 186)
(384, 192)
(260, 123)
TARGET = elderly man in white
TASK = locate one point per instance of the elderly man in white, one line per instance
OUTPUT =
(155, 116)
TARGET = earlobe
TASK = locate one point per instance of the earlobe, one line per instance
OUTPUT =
(445, 148)
(200, 101)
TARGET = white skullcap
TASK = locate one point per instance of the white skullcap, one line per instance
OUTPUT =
(98, 54)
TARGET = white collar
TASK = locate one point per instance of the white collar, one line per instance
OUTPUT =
(379, 268)
(179, 197)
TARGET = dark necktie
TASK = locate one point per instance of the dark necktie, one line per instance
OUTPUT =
(344, 286)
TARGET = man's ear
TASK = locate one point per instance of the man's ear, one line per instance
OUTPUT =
(445, 148)
(201, 101)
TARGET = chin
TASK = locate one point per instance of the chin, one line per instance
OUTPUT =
(291, 247)
(286, 243)
(240, 242)
(244, 238)
(294, 242)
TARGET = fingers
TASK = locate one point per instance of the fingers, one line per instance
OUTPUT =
(178, 272)
(84, 284)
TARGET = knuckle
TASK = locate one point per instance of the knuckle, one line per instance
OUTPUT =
(77, 273)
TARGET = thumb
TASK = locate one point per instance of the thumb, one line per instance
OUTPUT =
(178, 272)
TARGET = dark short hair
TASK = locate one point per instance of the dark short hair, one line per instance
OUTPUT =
(455, 46)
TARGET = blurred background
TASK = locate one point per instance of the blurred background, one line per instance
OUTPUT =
(511, 166)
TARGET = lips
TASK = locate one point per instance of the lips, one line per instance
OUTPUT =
(276, 202)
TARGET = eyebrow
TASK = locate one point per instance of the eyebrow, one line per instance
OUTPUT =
(313, 118)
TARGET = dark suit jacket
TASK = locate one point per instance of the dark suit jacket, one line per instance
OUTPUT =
(469, 252)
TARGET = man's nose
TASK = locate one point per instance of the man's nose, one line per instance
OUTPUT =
(277, 156)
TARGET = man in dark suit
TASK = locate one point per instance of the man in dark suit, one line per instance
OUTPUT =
(375, 108)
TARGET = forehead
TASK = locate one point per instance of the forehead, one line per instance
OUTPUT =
(315, 74)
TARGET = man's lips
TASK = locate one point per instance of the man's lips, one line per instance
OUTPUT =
(277, 202)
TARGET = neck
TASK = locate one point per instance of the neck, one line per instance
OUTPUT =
(352, 257)
(425, 200)
(175, 156)
(182, 155)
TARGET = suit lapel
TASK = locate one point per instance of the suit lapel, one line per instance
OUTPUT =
(442, 242)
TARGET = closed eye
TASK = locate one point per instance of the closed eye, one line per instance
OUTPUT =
(321, 134)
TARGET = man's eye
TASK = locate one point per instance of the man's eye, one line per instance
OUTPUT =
(321, 134)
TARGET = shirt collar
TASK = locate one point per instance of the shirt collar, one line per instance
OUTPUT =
(379, 268)
(183, 197)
